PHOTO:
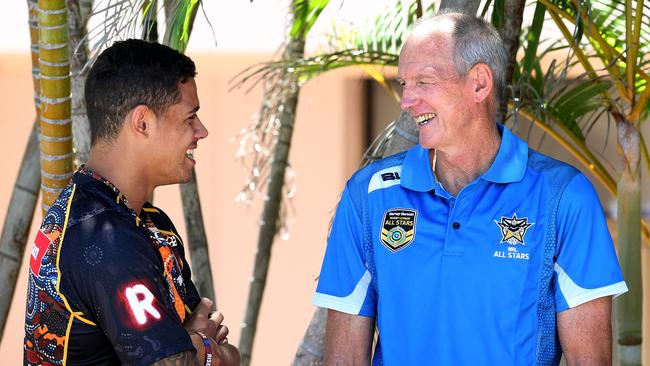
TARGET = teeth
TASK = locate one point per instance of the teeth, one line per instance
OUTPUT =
(423, 119)
(190, 153)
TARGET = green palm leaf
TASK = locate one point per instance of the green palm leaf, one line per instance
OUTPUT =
(576, 102)
(306, 14)
(126, 19)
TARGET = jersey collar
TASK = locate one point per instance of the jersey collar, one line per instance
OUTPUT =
(510, 163)
(508, 166)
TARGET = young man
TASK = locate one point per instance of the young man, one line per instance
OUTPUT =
(470, 248)
(108, 281)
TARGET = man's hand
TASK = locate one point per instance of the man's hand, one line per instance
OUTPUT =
(209, 324)
(203, 321)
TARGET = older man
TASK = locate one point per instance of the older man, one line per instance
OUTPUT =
(108, 279)
(470, 248)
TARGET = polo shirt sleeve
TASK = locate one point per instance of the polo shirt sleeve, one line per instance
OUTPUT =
(345, 282)
(113, 276)
(586, 267)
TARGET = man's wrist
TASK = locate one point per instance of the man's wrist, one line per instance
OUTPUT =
(207, 349)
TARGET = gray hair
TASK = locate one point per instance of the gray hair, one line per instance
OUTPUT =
(476, 41)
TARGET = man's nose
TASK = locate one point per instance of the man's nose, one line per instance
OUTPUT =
(408, 100)
(201, 131)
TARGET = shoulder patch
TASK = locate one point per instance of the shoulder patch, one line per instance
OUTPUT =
(385, 178)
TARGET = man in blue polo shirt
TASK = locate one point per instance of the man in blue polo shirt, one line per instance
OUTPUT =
(470, 248)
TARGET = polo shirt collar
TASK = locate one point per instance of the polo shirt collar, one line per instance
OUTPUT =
(417, 174)
(511, 160)
(508, 166)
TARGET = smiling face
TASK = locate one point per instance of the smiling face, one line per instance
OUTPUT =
(432, 92)
(176, 135)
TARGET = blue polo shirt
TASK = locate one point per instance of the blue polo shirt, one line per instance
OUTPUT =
(475, 279)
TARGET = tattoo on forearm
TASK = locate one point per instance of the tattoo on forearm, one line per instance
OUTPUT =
(186, 358)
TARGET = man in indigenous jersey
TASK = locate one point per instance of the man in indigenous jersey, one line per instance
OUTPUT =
(469, 248)
(108, 279)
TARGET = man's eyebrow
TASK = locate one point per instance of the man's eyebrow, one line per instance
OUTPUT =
(195, 109)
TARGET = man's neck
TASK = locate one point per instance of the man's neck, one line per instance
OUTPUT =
(458, 166)
(122, 172)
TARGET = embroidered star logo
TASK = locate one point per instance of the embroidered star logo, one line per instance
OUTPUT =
(513, 229)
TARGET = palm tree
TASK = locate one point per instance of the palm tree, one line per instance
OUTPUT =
(274, 129)
(610, 32)
(56, 122)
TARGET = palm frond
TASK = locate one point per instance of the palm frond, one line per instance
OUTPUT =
(306, 12)
(121, 19)
(386, 32)
(576, 102)
(179, 23)
(308, 68)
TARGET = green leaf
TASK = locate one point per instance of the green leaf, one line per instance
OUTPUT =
(180, 24)
(498, 12)
(533, 37)
(306, 13)
(575, 102)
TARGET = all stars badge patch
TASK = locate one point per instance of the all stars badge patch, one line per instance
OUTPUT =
(398, 228)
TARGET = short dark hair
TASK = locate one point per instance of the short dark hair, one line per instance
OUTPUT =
(131, 73)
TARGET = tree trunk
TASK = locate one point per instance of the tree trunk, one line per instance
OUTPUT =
(196, 239)
(56, 129)
(18, 221)
(24, 196)
(310, 352)
(513, 17)
(286, 111)
(77, 18)
(629, 308)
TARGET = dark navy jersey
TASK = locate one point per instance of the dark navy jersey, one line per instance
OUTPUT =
(106, 286)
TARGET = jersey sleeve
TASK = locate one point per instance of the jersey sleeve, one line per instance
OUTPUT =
(113, 278)
(345, 282)
(586, 267)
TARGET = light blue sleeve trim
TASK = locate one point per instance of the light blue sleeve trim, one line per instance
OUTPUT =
(350, 304)
(576, 295)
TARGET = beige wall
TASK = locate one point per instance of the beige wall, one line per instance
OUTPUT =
(325, 151)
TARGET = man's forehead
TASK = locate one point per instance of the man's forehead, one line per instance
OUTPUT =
(433, 36)
(422, 69)
(443, 24)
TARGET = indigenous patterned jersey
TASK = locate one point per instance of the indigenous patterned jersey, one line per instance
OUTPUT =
(475, 279)
(106, 286)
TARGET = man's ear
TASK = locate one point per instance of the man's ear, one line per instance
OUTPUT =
(140, 120)
(481, 82)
